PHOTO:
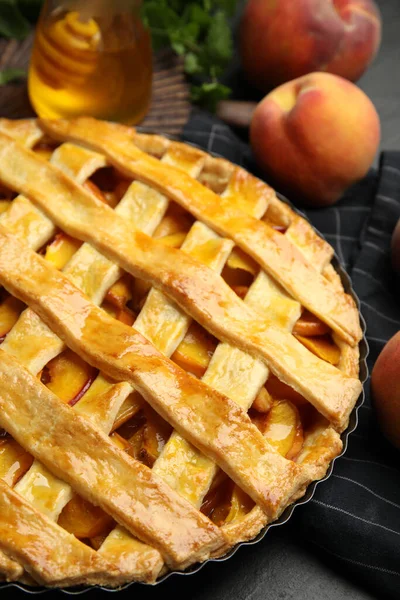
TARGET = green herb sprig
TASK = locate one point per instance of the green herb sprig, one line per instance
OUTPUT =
(8, 75)
(200, 32)
(16, 17)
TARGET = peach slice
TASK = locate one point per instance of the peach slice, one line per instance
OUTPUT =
(131, 407)
(174, 240)
(10, 309)
(119, 441)
(263, 401)
(143, 436)
(176, 220)
(108, 185)
(84, 520)
(239, 270)
(240, 505)
(61, 250)
(125, 315)
(132, 431)
(68, 376)
(280, 391)
(309, 325)
(216, 503)
(120, 293)
(14, 461)
(97, 541)
(155, 435)
(226, 502)
(140, 290)
(116, 299)
(114, 197)
(240, 260)
(195, 351)
(241, 290)
(323, 347)
(283, 428)
(136, 444)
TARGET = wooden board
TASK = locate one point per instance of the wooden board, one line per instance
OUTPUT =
(170, 107)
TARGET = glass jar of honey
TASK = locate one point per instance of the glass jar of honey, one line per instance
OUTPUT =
(91, 57)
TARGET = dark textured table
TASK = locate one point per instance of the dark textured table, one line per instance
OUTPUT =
(282, 567)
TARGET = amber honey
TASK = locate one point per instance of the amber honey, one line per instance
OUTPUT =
(99, 66)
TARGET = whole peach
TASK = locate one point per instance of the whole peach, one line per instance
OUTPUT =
(284, 39)
(315, 136)
(385, 385)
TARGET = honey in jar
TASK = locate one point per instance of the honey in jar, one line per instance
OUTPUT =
(91, 58)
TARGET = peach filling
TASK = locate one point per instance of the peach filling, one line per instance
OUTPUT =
(68, 376)
(10, 309)
(84, 520)
(45, 148)
(61, 250)
(108, 185)
(14, 460)
(317, 337)
(281, 414)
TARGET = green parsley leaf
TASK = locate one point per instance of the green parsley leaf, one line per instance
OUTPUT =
(12, 23)
(209, 94)
(10, 75)
(228, 6)
(192, 64)
(200, 32)
(219, 41)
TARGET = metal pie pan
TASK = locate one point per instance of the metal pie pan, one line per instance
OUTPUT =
(285, 516)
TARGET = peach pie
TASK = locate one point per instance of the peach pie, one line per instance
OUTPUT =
(178, 356)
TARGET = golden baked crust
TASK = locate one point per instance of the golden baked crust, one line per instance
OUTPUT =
(156, 516)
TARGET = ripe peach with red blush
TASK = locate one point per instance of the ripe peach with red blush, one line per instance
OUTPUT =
(284, 39)
(315, 136)
(385, 383)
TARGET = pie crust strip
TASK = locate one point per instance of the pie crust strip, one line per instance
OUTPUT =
(9, 569)
(142, 213)
(320, 447)
(200, 292)
(44, 344)
(26, 131)
(29, 223)
(202, 415)
(235, 374)
(269, 248)
(27, 536)
(165, 324)
(349, 364)
(69, 446)
(94, 274)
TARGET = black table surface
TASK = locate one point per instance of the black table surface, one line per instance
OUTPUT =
(282, 566)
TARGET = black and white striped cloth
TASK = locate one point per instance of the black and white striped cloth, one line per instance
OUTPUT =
(354, 516)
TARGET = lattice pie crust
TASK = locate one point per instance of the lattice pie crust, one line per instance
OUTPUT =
(178, 356)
